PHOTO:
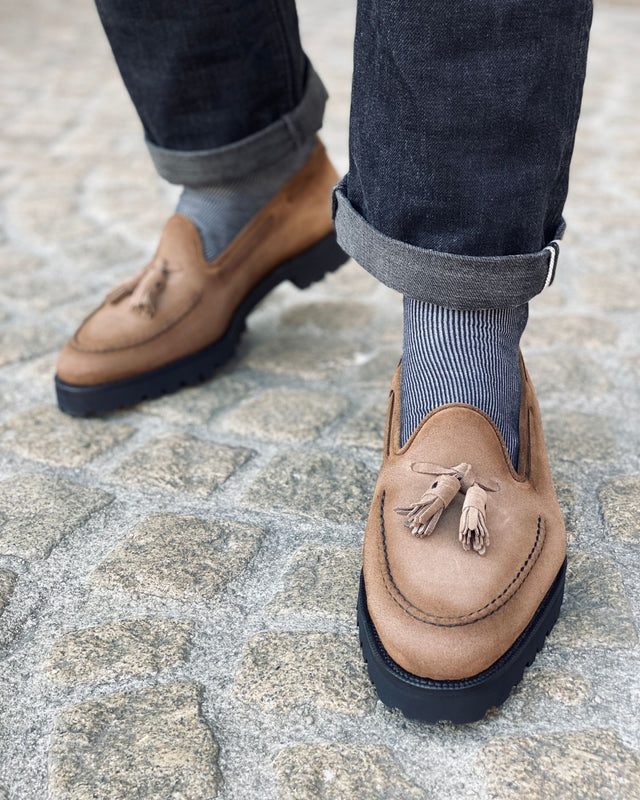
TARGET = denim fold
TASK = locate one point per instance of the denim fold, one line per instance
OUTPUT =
(445, 279)
(256, 151)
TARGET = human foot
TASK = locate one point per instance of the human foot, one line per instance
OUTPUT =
(464, 561)
(452, 356)
(181, 316)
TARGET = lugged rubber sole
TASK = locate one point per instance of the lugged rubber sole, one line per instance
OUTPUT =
(459, 701)
(302, 270)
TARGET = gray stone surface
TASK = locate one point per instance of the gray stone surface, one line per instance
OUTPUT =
(195, 405)
(558, 685)
(285, 671)
(116, 650)
(285, 415)
(570, 331)
(596, 611)
(169, 555)
(178, 462)
(152, 745)
(615, 292)
(567, 375)
(7, 585)
(322, 581)
(620, 504)
(586, 765)
(575, 436)
(37, 510)
(45, 434)
(20, 343)
(305, 356)
(340, 771)
(316, 484)
(331, 316)
(367, 428)
(273, 550)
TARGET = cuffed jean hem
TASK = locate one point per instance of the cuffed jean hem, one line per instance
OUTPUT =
(445, 279)
(238, 159)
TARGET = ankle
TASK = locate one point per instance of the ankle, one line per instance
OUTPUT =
(452, 356)
(220, 211)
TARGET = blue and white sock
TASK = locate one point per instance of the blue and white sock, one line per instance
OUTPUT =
(220, 211)
(471, 357)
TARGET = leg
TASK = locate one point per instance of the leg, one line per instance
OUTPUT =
(465, 155)
(462, 129)
(230, 106)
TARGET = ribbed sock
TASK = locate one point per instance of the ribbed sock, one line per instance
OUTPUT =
(220, 211)
(470, 357)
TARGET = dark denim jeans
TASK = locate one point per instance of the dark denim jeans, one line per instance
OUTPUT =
(463, 120)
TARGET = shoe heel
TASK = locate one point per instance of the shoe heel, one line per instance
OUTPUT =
(312, 265)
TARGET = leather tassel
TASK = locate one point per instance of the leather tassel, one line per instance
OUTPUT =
(125, 289)
(422, 517)
(473, 532)
(147, 294)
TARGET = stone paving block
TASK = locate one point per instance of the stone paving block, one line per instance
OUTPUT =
(302, 356)
(179, 462)
(45, 434)
(611, 291)
(314, 484)
(115, 650)
(351, 280)
(567, 375)
(36, 511)
(26, 341)
(47, 212)
(379, 370)
(151, 744)
(328, 316)
(596, 611)
(570, 330)
(620, 504)
(169, 555)
(558, 685)
(195, 405)
(285, 415)
(567, 499)
(335, 771)
(367, 428)
(8, 581)
(283, 671)
(14, 261)
(573, 436)
(40, 292)
(322, 581)
(585, 765)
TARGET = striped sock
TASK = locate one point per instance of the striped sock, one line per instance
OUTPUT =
(220, 211)
(471, 357)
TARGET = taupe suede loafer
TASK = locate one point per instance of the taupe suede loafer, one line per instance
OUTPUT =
(464, 562)
(178, 319)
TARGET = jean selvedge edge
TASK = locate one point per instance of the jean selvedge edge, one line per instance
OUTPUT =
(445, 279)
(260, 149)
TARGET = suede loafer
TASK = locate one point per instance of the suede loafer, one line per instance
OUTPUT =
(181, 317)
(463, 564)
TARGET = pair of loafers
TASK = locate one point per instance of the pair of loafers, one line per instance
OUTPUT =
(463, 563)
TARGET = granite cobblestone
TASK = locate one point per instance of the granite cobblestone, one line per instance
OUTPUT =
(178, 581)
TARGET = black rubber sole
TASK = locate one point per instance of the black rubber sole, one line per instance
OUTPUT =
(459, 701)
(302, 270)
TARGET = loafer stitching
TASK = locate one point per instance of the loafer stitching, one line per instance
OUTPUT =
(169, 325)
(459, 621)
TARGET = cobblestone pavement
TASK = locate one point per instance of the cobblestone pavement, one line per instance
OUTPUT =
(177, 583)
